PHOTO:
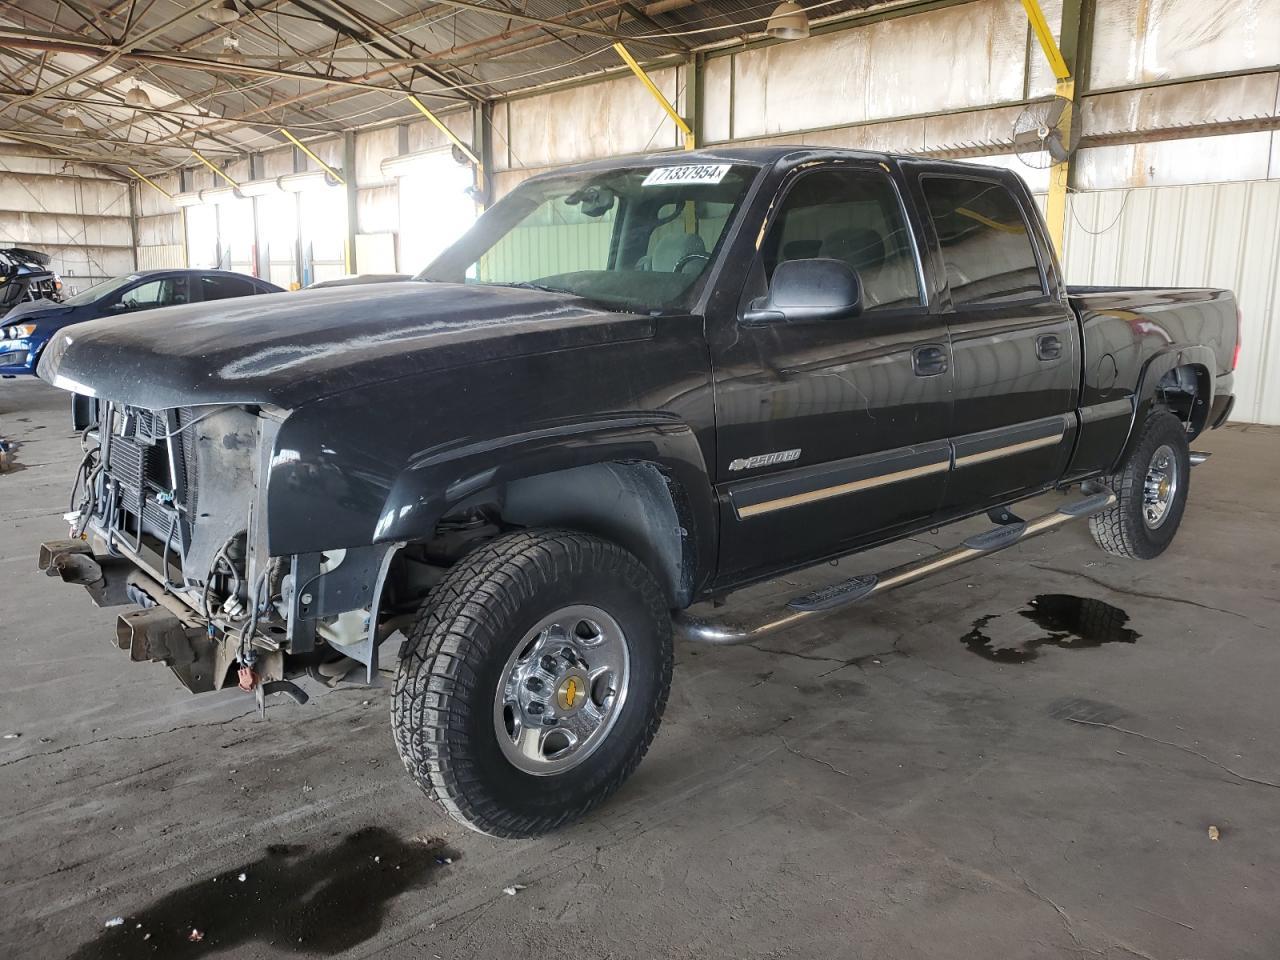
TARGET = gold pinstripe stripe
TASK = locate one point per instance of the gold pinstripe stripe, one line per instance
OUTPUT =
(840, 489)
(870, 483)
(1010, 450)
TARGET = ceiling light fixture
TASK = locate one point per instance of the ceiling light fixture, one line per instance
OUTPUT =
(231, 49)
(222, 14)
(788, 22)
(137, 97)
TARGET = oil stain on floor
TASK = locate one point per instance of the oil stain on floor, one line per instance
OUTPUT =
(1070, 623)
(291, 898)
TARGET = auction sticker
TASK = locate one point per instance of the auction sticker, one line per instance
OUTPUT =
(693, 173)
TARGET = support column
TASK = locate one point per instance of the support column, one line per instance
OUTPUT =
(261, 256)
(693, 95)
(299, 255)
(133, 220)
(1068, 61)
(482, 136)
(352, 192)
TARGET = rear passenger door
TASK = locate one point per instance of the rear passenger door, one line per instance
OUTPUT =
(829, 433)
(1014, 340)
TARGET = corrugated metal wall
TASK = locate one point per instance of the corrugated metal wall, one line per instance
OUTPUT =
(1217, 235)
(161, 240)
(78, 216)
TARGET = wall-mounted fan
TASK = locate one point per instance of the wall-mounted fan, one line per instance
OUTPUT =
(1041, 138)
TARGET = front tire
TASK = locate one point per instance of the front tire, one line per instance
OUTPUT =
(1151, 488)
(533, 681)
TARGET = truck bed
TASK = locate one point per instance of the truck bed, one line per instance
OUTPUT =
(1134, 339)
(1157, 318)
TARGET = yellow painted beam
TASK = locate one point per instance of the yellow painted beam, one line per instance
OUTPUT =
(639, 71)
(1055, 209)
(205, 160)
(453, 138)
(151, 183)
(440, 125)
(311, 153)
(1040, 26)
(1055, 213)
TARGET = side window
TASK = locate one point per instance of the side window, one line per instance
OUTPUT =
(223, 288)
(854, 216)
(986, 246)
(154, 293)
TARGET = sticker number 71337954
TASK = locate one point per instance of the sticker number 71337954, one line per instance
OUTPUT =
(691, 173)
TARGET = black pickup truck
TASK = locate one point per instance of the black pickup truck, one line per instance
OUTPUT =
(634, 385)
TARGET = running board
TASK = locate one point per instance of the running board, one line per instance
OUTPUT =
(1009, 529)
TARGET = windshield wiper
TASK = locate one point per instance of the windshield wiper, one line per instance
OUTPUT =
(530, 285)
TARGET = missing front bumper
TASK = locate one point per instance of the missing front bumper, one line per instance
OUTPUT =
(161, 631)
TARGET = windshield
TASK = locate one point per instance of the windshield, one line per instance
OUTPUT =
(634, 238)
(95, 293)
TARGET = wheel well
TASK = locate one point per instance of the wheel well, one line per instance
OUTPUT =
(635, 505)
(1186, 391)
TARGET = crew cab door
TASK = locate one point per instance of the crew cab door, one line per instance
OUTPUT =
(1015, 342)
(829, 432)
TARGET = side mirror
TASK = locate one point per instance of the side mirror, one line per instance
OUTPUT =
(808, 291)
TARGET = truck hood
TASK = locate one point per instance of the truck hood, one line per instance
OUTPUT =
(290, 348)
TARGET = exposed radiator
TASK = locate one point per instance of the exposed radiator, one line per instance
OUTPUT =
(139, 460)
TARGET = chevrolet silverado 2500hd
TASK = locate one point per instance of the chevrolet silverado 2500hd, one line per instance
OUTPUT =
(633, 385)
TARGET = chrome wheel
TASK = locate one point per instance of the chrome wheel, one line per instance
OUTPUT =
(562, 690)
(1160, 487)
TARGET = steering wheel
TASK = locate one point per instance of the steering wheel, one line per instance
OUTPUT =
(687, 258)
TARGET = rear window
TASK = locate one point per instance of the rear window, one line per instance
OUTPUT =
(986, 246)
(223, 288)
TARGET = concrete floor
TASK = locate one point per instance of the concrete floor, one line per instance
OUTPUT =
(948, 772)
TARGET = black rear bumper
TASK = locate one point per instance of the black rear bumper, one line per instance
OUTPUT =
(1223, 404)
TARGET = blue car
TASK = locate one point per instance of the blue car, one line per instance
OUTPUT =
(26, 328)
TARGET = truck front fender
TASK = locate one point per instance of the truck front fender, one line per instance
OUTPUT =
(344, 475)
(446, 479)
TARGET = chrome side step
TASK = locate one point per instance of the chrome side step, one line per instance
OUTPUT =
(1009, 530)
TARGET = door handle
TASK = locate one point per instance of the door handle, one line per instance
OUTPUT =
(929, 360)
(1048, 346)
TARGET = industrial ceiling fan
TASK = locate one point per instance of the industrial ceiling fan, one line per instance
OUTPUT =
(1047, 132)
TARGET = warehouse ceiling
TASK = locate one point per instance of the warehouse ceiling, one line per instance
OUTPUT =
(223, 76)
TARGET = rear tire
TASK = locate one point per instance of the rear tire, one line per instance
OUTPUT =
(533, 681)
(1151, 486)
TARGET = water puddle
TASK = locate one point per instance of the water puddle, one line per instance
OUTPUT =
(1069, 623)
(291, 898)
